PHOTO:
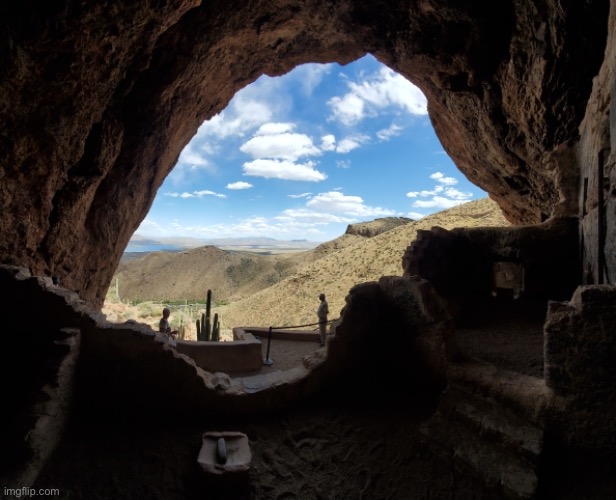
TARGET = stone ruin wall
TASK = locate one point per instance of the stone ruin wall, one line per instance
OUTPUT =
(596, 158)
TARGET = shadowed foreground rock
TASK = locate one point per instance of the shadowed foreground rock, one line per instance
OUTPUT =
(97, 100)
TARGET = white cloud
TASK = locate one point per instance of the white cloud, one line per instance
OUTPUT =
(414, 215)
(442, 196)
(303, 195)
(337, 202)
(148, 226)
(348, 109)
(251, 107)
(284, 226)
(275, 128)
(283, 169)
(241, 116)
(425, 192)
(239, 185)
(343, 164)
(381, 90)
(440, 177)
(328, 142)
(438, 202)
(286, 146)
(190, 156)
(352, 142)
(387, 133)
(195, 194)
(456, 194)
(310, 76)
(312, 217)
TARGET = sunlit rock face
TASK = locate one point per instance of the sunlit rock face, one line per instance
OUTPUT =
(97, 100)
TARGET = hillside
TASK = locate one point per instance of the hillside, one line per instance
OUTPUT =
(282, 289)
(165, 276)
(293, 301)
(376, 226)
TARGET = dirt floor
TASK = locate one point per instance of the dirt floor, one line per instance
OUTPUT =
(347, 444)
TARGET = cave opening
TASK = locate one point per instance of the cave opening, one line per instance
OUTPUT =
(274, 143)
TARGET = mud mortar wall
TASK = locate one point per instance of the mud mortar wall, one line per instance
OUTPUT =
(461, 263)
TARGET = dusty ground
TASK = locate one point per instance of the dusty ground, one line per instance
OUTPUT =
(349, 444)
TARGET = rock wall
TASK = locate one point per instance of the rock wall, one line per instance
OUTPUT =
(596, 157)
(98, 100)
(465, 265)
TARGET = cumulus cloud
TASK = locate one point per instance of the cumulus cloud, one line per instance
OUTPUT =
(352, 142)
(348, 109)
(328, 142)
(286, 146)
(414, 215)
(239, 185)
(384, 89)
(442, 196)
(387, 133)
(438, 202)
(195, 194)
(275, 128)
(283, 169)
(312, 217)
(337, 202)
(239, 118)
(250, 108)
(440, 177)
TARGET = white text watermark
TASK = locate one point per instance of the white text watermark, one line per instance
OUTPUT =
(26, 492)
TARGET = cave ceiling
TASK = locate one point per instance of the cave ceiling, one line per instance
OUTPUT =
(98, 99)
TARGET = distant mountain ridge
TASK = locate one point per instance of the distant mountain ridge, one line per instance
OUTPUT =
(144, 243)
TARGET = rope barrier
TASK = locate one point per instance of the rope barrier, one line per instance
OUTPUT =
(301, 326)
(267, 361)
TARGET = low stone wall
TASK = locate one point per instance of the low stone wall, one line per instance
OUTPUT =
(242, 332)
(243, 354)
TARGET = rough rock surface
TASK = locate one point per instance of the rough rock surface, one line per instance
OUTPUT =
(97, 100)
(377, 226)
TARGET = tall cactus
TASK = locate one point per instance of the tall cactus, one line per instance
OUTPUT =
(208, 312)
(216, 329)
(205, 329)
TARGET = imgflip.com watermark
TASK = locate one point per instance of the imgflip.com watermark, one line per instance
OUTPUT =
(27, 492)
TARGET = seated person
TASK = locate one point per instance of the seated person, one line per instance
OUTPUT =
(163, 324)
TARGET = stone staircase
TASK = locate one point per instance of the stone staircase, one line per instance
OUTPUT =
(488, 438)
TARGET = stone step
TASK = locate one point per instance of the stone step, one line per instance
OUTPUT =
(528, 396)
(503, 472)
(493, 422)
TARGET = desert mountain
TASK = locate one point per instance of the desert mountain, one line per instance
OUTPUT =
(231, 274)
(164, 276)
(282, 289)
(377, 226)
(347, 262)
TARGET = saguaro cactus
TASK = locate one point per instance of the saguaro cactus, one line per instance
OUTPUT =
(205, 329)
(208, 311)
(216, 329)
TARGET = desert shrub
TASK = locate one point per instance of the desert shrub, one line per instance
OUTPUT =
(149, 309)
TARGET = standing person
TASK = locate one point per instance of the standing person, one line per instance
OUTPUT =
(322, 313)
(163, 324)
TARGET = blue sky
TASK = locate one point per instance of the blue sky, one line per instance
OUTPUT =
(303, 155)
